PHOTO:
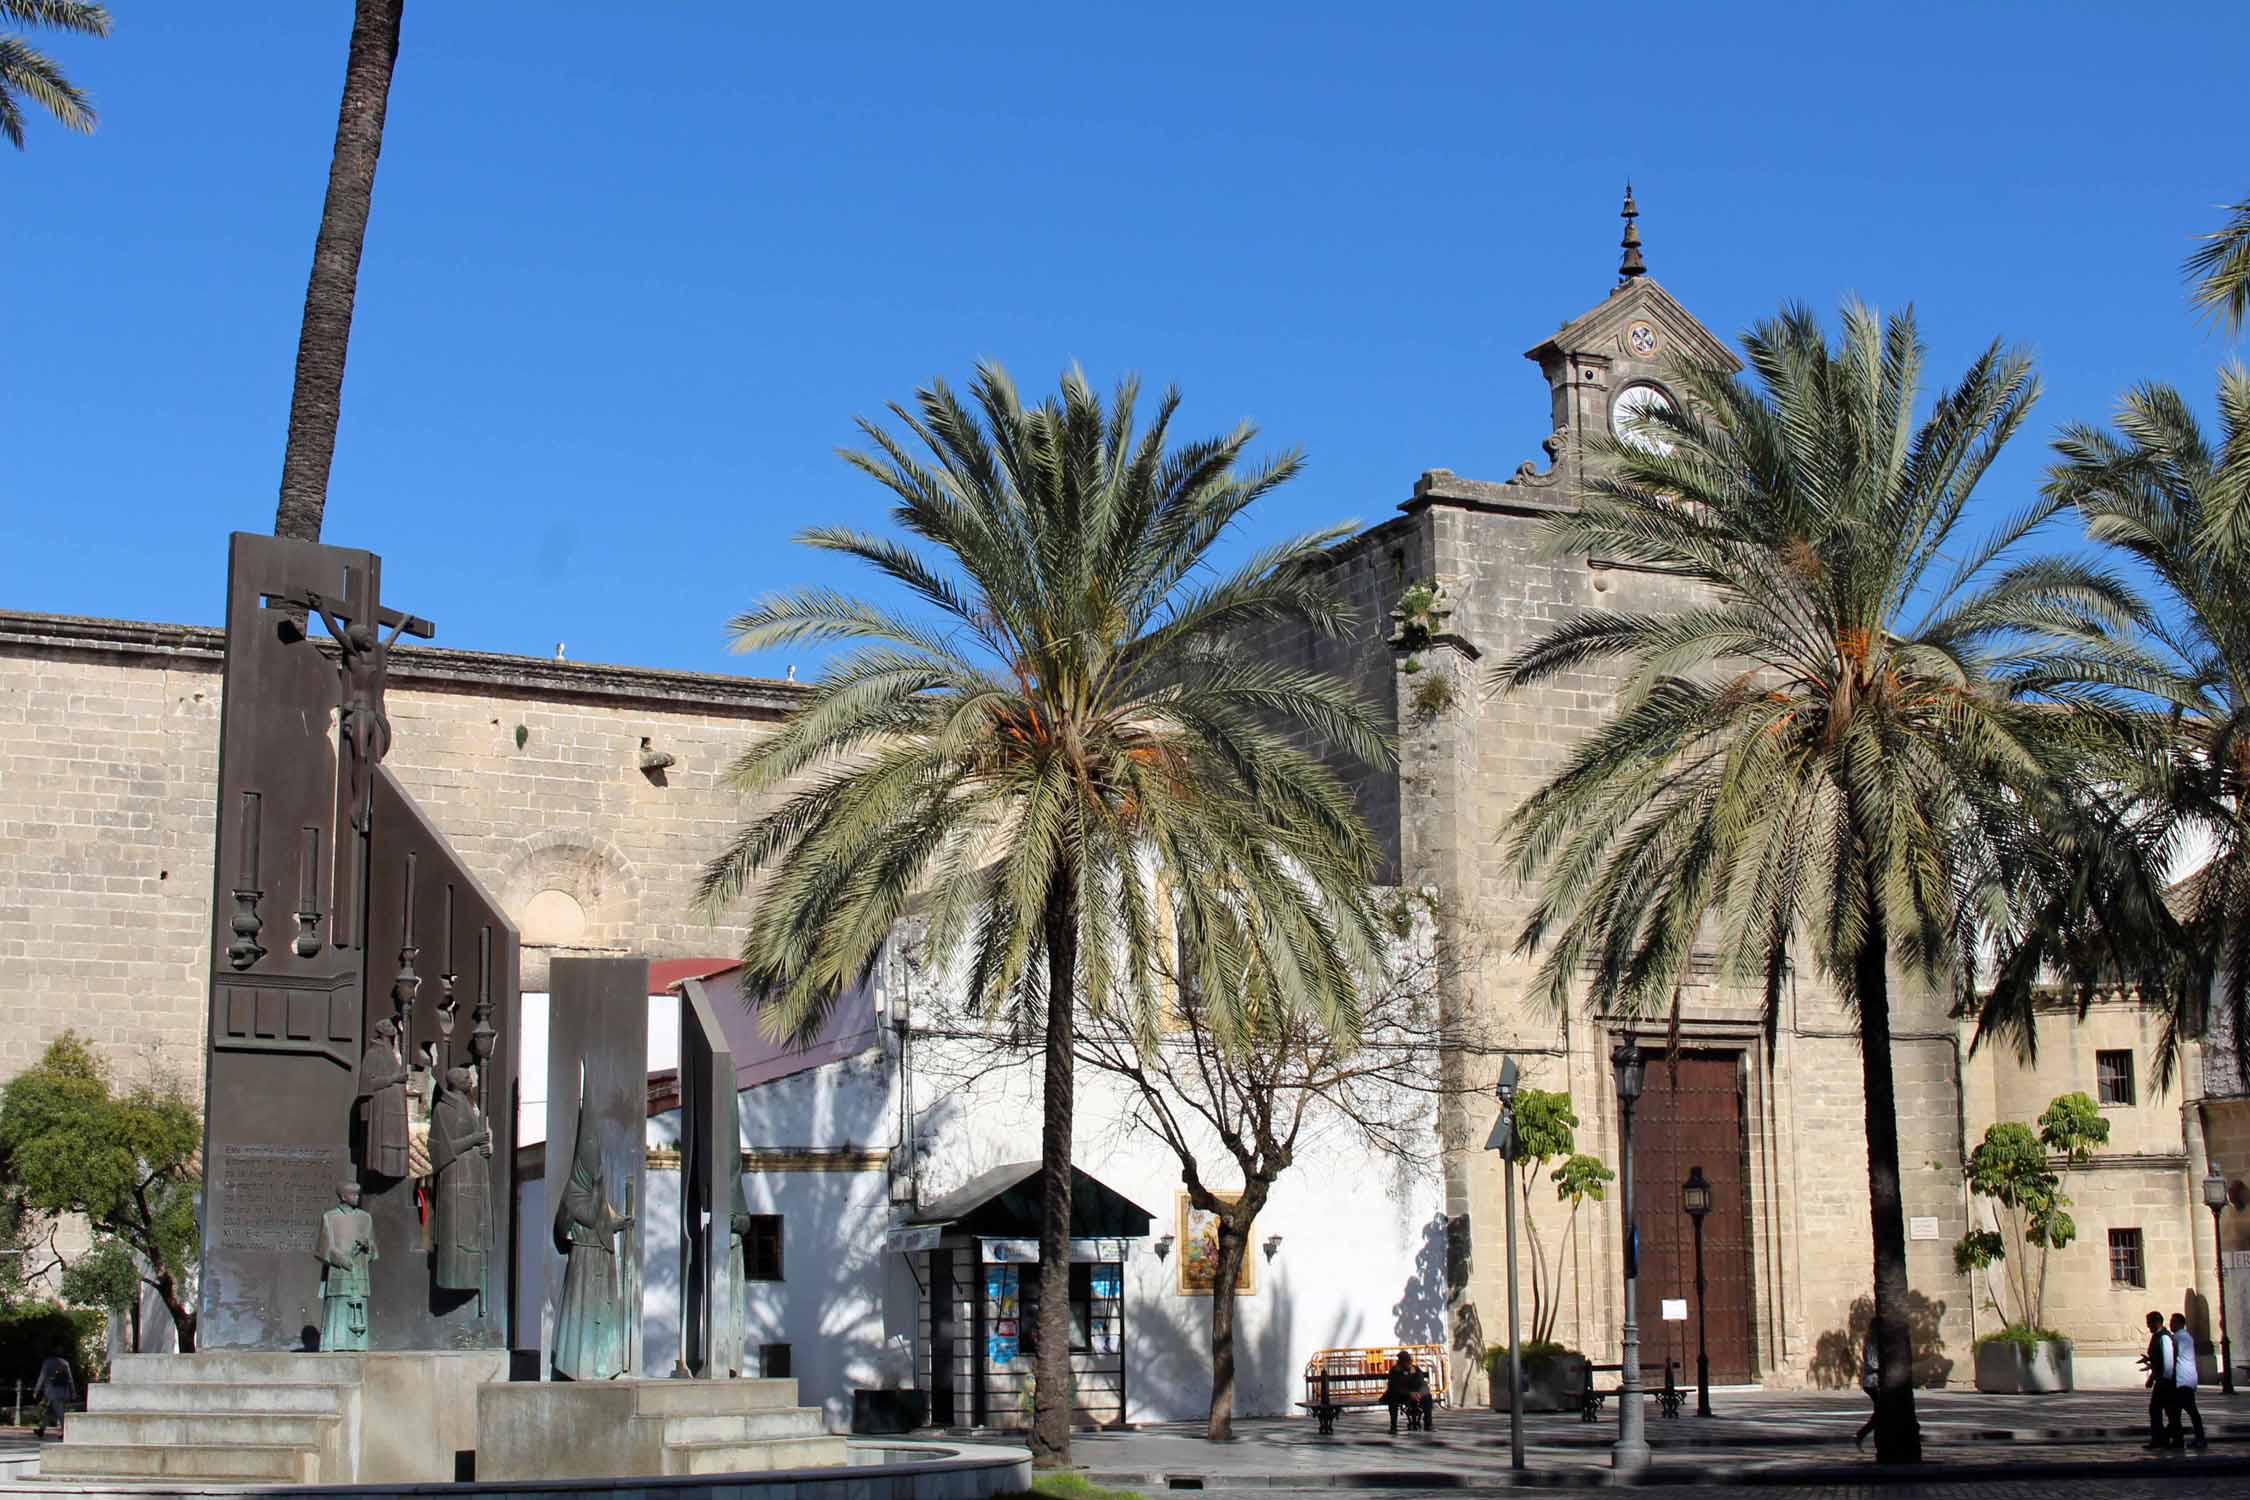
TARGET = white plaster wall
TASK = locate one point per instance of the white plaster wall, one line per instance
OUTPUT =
(1361, 1259)
(531, 1068)
(835, 1305)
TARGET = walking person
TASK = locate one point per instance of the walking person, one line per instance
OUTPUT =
(1870, 1381)
(56, 1390)
(2184, 1381)
(2163, 1408)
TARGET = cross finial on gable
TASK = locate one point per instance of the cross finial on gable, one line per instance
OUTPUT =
(1631, 265)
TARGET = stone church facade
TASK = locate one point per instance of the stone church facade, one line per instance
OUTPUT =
(108, 733)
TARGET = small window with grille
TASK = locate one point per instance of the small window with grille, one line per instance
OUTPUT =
(761, 1249)
(2113, 1077)
(2126, 1268)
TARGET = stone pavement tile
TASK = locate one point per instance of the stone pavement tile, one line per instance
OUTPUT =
(1756, 1437)
(2099, 1488)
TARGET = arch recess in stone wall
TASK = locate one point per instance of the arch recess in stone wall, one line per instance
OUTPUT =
(570, 893)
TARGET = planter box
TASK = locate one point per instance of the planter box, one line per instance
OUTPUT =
(2004, 1368)
(1548, 1384)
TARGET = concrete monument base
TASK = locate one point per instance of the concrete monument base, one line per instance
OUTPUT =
(611, 1429)
(282, 1418)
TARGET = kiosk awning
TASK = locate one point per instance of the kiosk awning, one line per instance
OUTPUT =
(1003, 1204)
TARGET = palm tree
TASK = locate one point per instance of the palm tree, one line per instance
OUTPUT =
(28, 73)
(2221, 270)
(316, 402)
(1076, 741)
(1802, 757)
(2158, 489)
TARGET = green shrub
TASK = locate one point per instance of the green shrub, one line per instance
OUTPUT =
(31, 1331)
(1066, 1487)
(2022, 1337)
(1537, 1352)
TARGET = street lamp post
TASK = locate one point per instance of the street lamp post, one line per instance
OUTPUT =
(1696, 1197)
(2215, 1198)
(1631, 1452)
(1504, 1140)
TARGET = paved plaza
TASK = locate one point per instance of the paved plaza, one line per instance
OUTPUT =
(1770, 1444)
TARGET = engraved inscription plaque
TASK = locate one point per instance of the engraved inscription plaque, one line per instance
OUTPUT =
(272, 1193)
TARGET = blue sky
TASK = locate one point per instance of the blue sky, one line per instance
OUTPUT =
(632, 272)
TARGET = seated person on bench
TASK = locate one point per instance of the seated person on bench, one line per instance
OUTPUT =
(1409, 1386)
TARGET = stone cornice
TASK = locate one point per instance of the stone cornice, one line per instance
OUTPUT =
(430, 666)
(1444, 487)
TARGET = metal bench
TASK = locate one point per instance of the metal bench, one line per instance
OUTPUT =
(1341, 1380)
(1668, 1396)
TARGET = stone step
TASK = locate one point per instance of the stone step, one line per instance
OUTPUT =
(697, 1398)
(750, 1426)
(272, 1462)
(203, 1429)
(231, 1366)
(753, 1458)
(216, 1397)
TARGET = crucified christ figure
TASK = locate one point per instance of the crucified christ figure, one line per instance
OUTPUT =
(365, 728)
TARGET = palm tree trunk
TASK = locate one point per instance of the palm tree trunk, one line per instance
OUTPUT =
(1051, 1398)
(1233, 1238)
(316, 403)
(1898, 1437)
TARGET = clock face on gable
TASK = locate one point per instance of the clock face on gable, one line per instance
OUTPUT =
(1628, 417)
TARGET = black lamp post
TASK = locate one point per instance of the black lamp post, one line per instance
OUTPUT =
(2215, 1198)
(1504, 1140)
(1696, 1198)
(1631, 1451)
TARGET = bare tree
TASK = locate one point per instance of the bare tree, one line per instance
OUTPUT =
(1238, 1104)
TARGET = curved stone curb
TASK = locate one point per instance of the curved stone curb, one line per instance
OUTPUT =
(954, 1471)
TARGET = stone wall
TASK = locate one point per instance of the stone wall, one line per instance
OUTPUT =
(1368, 572)
(108, 750)
(1464, 774)
(2146, 1179)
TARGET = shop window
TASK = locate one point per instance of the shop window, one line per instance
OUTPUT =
(2113, 1077)
(1081, 1308)
(761, 1251)
(2126, 1267)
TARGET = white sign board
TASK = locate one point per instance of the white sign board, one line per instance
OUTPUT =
(2236, 1260)
(918, 1237)
(1922, 1228)
(1026, 1252)
(1675, 1309)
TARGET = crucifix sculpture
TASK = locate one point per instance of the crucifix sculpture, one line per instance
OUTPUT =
(363, 728)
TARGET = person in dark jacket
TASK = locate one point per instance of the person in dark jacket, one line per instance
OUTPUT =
(2163, 1409)
(1408, 1386)
(56, 1388)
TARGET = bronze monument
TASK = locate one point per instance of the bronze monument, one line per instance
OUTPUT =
(313, 1023)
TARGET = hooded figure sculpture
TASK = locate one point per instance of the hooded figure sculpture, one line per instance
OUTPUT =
(736, 1269)
(382, 1104)
(592, 1325)
(460, 1158)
